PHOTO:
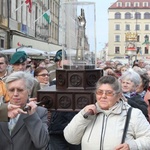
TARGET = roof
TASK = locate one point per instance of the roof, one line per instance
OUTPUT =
(142, 4)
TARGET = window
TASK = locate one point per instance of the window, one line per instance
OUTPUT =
(117, 15)
(1, 43)
(119, 4)
(138, 38)
(117, 27)
(127, 4)
(145, 4)
(128, 15)
(136, 4)
(117, 50)
(137, 27)
(127, 27)
(137, 15)
(117, 38)
(146, 27)
(147, 15)
(146, 50)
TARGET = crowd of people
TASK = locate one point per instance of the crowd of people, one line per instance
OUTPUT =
(120, 87)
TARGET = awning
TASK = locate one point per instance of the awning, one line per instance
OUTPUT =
(19, 40)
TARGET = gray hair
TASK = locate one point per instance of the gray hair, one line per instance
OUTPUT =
(28, 79)
(112, 81)
(131, 75)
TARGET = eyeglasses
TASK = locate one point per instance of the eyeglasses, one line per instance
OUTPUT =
(107, 92)
(44, 75)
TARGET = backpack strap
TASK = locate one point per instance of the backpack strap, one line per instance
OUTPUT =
(126, 125)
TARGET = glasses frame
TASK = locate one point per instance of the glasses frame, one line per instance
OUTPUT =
(44, 75)
(106, 92)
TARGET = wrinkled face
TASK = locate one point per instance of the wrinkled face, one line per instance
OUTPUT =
(3, 65)
(106, 96)
(18, 92)
(43, 77)
(20, 66)
(128, 85)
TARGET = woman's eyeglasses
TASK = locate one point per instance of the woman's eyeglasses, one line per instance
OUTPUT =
(44, 75)
(107, 92)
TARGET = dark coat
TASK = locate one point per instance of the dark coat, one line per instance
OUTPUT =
(30, 132)
(59, 120)
(3, 112)
(136, 101)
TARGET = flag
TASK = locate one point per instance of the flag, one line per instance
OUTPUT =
(18, 44)
(30, 4)
(47, 17)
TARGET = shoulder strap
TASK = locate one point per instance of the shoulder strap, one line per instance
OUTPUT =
(126, 125)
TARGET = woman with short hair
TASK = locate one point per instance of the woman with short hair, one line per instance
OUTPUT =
(103, 129)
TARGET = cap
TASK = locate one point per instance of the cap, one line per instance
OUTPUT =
(18, 57)
(58, 55)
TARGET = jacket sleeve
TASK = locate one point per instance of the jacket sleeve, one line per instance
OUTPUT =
(3, 112)
(141, 131)
(74, 131)
(38, 129)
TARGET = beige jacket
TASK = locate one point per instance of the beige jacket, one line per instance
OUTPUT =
(104, 131)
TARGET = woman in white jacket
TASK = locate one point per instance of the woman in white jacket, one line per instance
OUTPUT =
(103, 129)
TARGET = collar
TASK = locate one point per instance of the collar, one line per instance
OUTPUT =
(116, 109)
(1, 78)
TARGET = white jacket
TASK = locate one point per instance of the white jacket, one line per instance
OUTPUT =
(104, 130)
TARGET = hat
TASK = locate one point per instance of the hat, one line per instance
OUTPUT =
(58, 55)
(18, 57)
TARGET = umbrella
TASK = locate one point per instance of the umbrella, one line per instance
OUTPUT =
(28, 50)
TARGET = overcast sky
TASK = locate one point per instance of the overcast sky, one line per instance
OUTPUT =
(102, 21)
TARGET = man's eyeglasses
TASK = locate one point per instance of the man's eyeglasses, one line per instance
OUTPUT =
(44, 75)
(107, 92)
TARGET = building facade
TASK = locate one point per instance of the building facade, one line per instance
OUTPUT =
(22, 23)
(129, 29)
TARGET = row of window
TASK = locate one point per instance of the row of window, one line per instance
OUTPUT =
(135, 15)
(128, 27)
(135, 4)
(139, 51)
(118, 39)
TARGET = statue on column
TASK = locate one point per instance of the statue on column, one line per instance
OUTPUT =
(81, 37)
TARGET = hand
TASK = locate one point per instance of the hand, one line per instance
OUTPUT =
(123, 146)
(14, 110)
(33, 107)
(90, 107)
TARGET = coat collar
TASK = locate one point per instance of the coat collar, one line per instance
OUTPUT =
(19, 124)
(116, 109)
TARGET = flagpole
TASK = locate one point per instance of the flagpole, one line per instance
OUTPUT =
(41, 16)
(19, 7)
